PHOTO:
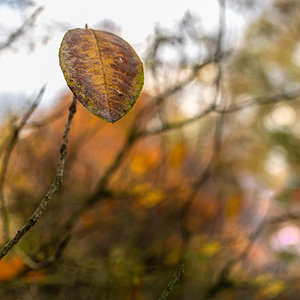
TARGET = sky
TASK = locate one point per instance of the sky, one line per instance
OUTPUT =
(23, 72)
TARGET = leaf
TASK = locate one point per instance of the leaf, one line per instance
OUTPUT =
(234, 206)
(10, 268)
(102, 70)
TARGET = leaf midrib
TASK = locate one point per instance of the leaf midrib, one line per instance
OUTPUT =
(103, 75)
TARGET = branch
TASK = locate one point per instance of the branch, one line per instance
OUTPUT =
(52, 190)
(27, 24)
(101, 190)
(175, 279)
(161, 97)
(132, 137)
(267, 100)
(47, 120)
(7, 155)
(223, 280)
(35, 264)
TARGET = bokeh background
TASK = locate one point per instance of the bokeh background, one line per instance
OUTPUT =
(197, 187)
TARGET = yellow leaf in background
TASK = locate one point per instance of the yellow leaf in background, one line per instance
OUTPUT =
(147, 195)
(262, 279)
(273, 289)
(151, 198)
(138, 165)
(210, 249)
(177, 155)
(233, 206)
(141, 188)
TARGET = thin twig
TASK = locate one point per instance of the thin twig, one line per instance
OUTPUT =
(175, 279)
(27, 24)
(6, 158)
(52, 190)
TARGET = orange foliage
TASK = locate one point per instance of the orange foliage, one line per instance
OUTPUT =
(10, 267)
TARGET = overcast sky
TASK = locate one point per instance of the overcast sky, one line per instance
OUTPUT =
(23, 71)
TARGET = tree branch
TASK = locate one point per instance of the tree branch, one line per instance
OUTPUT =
(267, 100)
(6, 159)
(52, 190)
(175, 279)
(16, 34)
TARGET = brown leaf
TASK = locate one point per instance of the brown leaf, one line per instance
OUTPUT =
(102, 70)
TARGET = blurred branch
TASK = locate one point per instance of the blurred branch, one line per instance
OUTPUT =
(20, 4)
(6, 158)
(186, 208)
(285, 217)
(175, 279)
(134, 135)
(101, 191)
(219, 47)
(28, 23)
(38, 265)
(223, 280)
(222, 27)
(163, 96)
(176, 125)
(267, 100)
(217, 82)
(52, 190)
(48, 120)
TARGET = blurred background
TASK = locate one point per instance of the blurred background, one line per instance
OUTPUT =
(202, 174)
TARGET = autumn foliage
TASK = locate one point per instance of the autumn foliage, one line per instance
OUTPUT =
(193, 194)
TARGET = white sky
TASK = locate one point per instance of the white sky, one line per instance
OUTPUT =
(24, 72)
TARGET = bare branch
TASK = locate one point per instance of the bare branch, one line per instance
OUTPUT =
(52, 190)
(163, 96)
(21, 30)
(267, 100)
(6, 159)
(175, 279)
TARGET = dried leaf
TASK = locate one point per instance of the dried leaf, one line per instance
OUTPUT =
(102, 70)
